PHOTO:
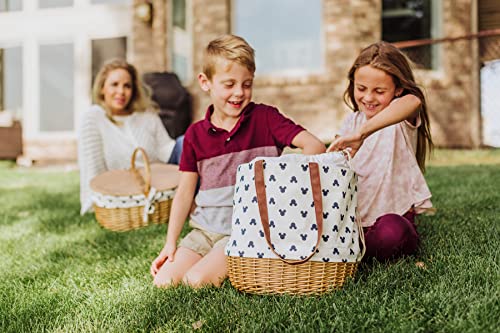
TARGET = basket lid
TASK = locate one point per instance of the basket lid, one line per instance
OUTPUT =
(129, 182)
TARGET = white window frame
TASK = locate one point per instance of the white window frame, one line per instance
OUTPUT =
(32, 27)
(176, 36)
(435, 30)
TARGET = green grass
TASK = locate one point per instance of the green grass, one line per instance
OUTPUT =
(60, 272)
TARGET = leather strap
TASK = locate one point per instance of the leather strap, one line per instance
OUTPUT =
(260, 189)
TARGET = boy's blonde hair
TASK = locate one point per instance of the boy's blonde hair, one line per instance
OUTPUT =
(229, 47)
(140, 100)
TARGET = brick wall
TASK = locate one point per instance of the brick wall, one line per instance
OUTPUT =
(453, 92)
(149, 39)
(50, 149)
(315, 101)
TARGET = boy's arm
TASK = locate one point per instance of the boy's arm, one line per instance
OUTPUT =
(309, 144)
(404, 108)
(181, 205)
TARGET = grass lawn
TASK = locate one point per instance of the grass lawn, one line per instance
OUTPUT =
(60, 272)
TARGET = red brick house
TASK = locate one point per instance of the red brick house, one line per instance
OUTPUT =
(304, 49)
(312, 94)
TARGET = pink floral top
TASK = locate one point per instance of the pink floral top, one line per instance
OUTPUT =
(389, 178)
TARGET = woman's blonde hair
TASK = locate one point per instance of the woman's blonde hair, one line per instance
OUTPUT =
(140, 100)
(387, 57)
(229, 47)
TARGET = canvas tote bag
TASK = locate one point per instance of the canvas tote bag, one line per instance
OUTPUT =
(294, 212)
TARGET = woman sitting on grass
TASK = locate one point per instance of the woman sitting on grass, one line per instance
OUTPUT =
(121, 120)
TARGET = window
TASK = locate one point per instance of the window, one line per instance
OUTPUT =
(11, 79)
(54, 3)
(47, 65)
(111, 2)
(10, 5)
(56, 87)
(181, 41)
(412, 19)
(106, 49)
(286, 35)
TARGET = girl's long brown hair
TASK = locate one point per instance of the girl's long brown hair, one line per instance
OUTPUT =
(386, 57)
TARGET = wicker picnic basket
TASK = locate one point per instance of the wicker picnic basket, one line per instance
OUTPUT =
(265, 276)
(294, 226)
(133, 198)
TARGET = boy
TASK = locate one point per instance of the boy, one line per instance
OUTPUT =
(234, 131)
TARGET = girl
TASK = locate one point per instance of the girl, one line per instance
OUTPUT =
(121, 119)
(389, 137)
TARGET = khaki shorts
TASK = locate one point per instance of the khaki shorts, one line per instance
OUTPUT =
(202, 241)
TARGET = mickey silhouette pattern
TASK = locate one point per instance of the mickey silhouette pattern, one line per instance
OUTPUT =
(128, 201)
(292, 218)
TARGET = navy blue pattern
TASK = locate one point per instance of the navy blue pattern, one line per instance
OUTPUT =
(292, 224)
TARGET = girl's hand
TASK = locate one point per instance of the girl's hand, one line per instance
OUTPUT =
(167, 252)
(353, 142)
(331, 147)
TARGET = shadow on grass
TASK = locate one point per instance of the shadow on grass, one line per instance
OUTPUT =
(59, 208)
(40, 310)
(80, 277)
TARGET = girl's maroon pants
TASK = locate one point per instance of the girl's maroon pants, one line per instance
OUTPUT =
(392, 236)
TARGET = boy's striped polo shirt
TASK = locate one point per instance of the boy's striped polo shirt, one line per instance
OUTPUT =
(215, 154)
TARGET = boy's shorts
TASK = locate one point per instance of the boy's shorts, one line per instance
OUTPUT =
(202, 241)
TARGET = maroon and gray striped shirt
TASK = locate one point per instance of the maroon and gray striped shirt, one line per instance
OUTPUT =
(215, 154)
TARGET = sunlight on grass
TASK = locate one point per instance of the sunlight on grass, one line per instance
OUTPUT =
(453, 157)
(62, 272)
(17, 231)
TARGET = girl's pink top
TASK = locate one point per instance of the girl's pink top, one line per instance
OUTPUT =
(389, 179)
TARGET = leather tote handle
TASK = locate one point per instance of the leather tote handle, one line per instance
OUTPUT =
(147, 177)
(260, 190)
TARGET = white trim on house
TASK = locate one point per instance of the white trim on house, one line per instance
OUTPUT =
(79, 25)
(180, 41)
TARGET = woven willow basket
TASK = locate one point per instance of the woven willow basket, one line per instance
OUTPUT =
(273, 276)
(122, 196)
(256, 266)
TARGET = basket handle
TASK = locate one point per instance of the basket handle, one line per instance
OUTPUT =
(260, 189)
(147, 169)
